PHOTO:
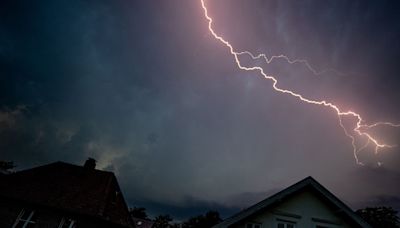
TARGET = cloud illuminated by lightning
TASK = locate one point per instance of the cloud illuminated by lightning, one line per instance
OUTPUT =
(359, 127)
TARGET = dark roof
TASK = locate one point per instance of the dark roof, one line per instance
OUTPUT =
(70, 188)
(307, 183)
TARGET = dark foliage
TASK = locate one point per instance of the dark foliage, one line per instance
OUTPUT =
(380, 217)
(6, 166)
(210, 219)
(138, 212)
(163, 221)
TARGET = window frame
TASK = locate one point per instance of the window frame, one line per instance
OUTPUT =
(67, 222)
(285, 223)
(24, 221)
(253, 224)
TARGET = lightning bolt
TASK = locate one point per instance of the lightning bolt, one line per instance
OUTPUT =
(290, 61)
(360, 128)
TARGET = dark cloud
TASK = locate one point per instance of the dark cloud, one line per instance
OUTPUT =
(143, 87)
(389, 201)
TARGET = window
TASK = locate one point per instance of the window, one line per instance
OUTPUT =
(67, 223)
(253, 225)
(326, 223)
(25, 219)
(285, 224)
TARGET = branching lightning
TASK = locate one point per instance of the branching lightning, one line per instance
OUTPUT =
(360, 128)
(290, 61)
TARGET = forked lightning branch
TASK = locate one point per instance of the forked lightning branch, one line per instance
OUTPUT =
(359, 130)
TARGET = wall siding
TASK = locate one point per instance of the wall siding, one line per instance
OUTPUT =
(304, 204)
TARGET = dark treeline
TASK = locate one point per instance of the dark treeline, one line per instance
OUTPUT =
(209, 219)
(380, 217)
(377, 217)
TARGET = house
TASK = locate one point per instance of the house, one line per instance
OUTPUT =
(305, 204)
(62, 195)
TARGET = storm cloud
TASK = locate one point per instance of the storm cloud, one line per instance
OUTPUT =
(143, 88)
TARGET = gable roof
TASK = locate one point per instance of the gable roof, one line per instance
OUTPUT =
(70, 188)
(307, 183)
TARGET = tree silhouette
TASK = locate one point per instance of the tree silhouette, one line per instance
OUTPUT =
(210, 219)
(163, 221)
(138, 212)
(6, 166)
(380, 217)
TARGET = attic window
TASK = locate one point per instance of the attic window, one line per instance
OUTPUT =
(253, 225)
(67, 223)
(24, 219)
(285, 224)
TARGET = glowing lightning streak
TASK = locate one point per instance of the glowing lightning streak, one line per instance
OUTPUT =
(359, 126)
(380, 124)
(303, 61)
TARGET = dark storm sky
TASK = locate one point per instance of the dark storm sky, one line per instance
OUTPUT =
(143, 87)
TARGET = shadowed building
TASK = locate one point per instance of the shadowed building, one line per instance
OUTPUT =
(62, 195)
(305, 204)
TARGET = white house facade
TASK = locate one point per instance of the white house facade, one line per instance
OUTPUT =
(305, 204)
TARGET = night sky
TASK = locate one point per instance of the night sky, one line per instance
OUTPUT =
(143, 87)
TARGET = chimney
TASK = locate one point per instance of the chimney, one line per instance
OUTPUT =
(90, 164)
